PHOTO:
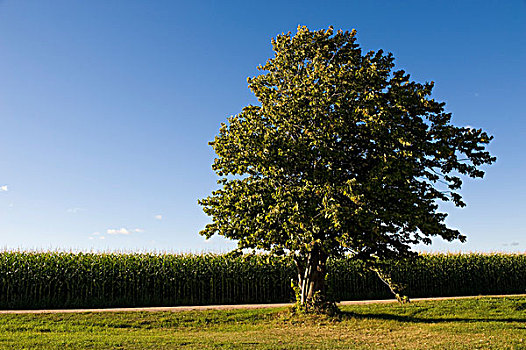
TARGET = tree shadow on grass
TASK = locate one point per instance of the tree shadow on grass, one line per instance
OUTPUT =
(345, 315)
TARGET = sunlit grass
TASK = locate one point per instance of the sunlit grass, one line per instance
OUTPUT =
(483, 323)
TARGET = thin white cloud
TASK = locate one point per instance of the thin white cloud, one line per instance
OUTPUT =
(121, 231)
(98, 235)
(3, 188)
(95, 235)
(158, 217)
(74, 210)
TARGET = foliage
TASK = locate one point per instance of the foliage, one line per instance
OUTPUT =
(342, 155)
(68, 280)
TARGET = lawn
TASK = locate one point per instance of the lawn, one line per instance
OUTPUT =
(478, 323)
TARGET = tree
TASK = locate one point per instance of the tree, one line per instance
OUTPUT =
(343, 155)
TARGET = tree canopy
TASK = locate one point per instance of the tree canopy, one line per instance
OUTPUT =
(342, 154)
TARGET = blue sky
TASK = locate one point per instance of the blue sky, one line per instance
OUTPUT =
(106, 108)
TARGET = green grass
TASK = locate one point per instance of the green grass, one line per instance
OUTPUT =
(478, 323)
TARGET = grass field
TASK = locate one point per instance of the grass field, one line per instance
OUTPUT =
(478, 323)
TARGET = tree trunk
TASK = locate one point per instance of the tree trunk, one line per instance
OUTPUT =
(311, 280)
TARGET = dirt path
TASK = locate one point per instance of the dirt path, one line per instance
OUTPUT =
(226, 307)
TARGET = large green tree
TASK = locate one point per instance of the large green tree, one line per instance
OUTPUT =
(343, 154)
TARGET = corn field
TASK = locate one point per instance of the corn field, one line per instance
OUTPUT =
(433, 275)
(69, 280)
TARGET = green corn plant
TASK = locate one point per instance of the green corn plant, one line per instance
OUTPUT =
(62, 279)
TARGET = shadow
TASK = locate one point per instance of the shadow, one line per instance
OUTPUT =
(412, 319)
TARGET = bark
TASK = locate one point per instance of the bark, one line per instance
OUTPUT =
(311, 278)
(396, 288)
